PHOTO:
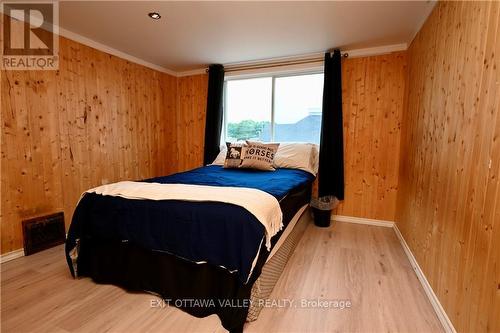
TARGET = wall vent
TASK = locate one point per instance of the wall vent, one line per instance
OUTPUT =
(43, 232)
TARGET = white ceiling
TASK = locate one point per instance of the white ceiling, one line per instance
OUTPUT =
(191, 35)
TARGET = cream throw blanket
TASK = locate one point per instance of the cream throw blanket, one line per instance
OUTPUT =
(260, 204)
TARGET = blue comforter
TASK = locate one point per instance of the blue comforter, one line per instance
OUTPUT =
(218, 233)
(277, 183)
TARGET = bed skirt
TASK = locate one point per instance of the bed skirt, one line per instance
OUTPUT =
(272, 269)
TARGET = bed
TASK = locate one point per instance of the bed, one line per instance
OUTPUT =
(202, 256)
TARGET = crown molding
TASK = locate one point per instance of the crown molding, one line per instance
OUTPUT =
(377, 50)
(193, 72)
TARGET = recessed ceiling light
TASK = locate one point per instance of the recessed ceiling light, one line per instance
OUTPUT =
(154, 15)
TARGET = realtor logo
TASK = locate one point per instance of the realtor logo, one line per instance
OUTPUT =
(30, 36)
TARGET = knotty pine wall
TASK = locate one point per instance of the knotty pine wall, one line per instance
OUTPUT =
(99, 119)
(191, 109)
(449, 193)
(372, 104)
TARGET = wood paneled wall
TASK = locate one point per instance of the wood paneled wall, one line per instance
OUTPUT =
(372, 102)
(449, 199)
(191, 109)
(97, 120)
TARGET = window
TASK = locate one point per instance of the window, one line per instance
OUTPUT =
(274, 108)
(248, 106)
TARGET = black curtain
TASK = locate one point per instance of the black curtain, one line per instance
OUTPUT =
(213, 124)
(331, 156)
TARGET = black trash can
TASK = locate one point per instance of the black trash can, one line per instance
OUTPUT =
(321, 217)
(322, 209)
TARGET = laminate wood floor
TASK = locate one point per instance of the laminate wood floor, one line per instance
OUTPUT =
(363, 264)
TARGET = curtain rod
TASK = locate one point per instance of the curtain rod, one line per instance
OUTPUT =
(270, 64)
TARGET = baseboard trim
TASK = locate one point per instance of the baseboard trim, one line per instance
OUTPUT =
(12, 255)
(436, 305)
(361, 220)
(438, 308)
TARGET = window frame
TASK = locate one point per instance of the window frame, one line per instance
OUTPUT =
(273, 77)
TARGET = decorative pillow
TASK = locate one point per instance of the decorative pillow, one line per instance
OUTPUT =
(234, 155)
(260, 156)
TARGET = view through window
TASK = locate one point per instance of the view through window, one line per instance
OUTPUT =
(274, 108)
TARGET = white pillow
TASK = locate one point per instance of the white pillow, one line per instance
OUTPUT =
(295, 155)
(221, 158)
